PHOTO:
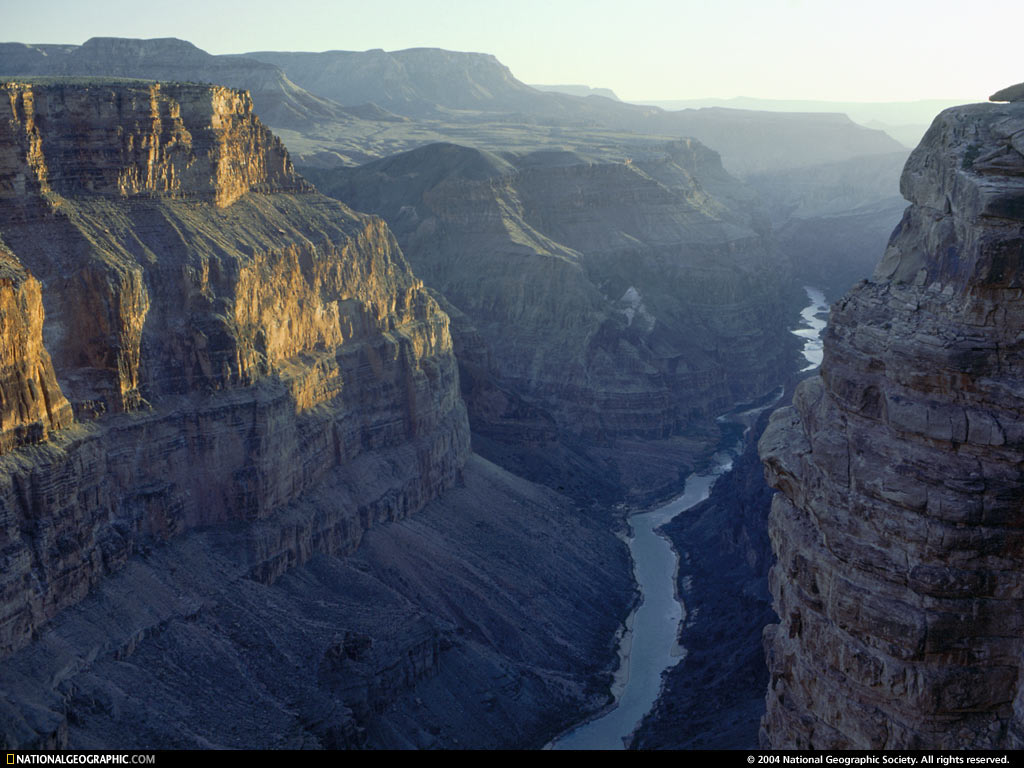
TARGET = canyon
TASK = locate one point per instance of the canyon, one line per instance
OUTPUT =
(361, 476)
(603, 313)
(521, 208)
(216, 382)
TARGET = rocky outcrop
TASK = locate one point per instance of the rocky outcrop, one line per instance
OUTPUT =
(1010, 93)
(897, 529)
(620, 305)
(170, 141)
(31, 403)
(235, 347)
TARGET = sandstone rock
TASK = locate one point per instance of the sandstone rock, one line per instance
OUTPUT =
(164, 140)
(897, 527)
(31, 403)
(232, 343)
(279, 101)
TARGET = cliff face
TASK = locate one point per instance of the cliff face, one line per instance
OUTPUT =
(171, 141)
(619, 306)
(898, 526)
(234, 347)
(31, 403)
(484, 620)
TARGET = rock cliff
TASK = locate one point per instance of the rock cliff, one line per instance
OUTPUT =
(31, 403)
(233, 346)
(217, 385)
(486, 620)
(897, 527)
(620, 306)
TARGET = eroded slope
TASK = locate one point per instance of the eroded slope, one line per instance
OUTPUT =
(603, 312)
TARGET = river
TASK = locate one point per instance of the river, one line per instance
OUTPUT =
(649, 645)
(814, 317)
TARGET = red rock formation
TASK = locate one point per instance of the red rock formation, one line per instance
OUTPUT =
(31, 403)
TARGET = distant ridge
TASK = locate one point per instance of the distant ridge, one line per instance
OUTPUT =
(431, 83)
(578, 90)
(278, 100)
(298, 91)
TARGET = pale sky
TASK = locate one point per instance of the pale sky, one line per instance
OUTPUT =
(866, 50)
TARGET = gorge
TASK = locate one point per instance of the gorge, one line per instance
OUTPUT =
(250, 381)
(345, 435)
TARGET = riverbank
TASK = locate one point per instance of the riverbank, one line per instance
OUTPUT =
(715, 698)
(652, 645)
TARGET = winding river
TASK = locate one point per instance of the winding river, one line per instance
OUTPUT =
(649, 645)
(815, 318)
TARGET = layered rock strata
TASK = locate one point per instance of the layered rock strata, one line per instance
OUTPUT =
(234, 347)
(483, 621)
(31, 403)
(898, 526)
(619, 305)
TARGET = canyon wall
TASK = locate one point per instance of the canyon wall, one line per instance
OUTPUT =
(215, 385)
(485, 620)
(227, 347)
(898, 525)
(603, 313)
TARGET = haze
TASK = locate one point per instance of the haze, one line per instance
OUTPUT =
(876, 50)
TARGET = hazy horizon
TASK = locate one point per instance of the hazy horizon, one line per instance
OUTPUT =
(650, 50)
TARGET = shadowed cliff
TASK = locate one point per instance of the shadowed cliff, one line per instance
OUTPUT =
(603, 313)
(897, 525)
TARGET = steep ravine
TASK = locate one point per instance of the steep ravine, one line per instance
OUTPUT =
(216, 385)
(897, 527)
(714, 698)
(603, 313)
